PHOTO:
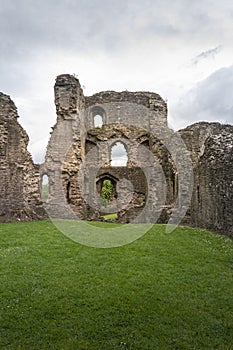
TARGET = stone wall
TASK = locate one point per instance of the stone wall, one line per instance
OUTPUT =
(131, 191)
(147, 108)
(79, 154)
(19, 185)
(154, 184)
(77, 150)
(63, 156)
(211, 148)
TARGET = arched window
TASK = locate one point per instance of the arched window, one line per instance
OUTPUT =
(119, 156)
(44, 187)
(98, 115)
(98, 121)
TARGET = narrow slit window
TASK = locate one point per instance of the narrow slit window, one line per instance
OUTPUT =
(44, 187)
(68, 192)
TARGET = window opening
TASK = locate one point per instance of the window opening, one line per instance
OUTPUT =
(68, 192)
(119, 156)
(98, 121)
(44, 187)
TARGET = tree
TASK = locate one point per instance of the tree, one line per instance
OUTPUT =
(107, 191)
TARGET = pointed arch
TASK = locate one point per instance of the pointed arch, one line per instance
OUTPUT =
(119, 154)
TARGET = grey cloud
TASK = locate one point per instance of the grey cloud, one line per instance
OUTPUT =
(107, 25)
(210, 100)
(28, 27)
(68, 24)
(118, 150)
(211, 53)
(34, 33)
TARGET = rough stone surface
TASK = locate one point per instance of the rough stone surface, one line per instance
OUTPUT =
(19, 185)
(78, 153)
(211, 148)
(153, 186)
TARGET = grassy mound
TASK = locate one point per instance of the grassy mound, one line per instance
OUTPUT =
(164, 291)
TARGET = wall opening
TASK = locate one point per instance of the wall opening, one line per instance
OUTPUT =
(100, 181)
(98, 115)
(44, 187)
(145, 143)
(106, 189)
(98, 121)
(173, 178)
(119, 155)
(68, 192)
(198, 195)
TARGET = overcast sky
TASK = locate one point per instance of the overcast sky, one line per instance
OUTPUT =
(181, 49)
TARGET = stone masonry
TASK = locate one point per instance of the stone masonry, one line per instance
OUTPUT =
(155, 185)
(78, 152)
(211, 148)
(19, 185)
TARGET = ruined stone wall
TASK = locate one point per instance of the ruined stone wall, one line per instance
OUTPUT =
(147, 109)
(69, 102)
(131, 191)
(77, 150)
(154, 183)
(19, 185)
(211, 148)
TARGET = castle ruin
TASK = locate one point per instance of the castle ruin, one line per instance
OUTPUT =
(167, 175)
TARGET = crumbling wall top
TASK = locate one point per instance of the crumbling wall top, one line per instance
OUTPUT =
(145, 98)
(69, 97)
(8, 109)
(196, 135)
(67, 79)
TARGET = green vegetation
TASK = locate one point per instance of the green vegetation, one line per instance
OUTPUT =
(164, 291)
(110, 216)
(107, 191)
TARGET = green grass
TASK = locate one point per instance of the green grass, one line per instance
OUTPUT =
(164, 291)
(110, 216)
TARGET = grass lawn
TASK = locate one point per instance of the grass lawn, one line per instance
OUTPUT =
(164, 291)
(110, 216)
